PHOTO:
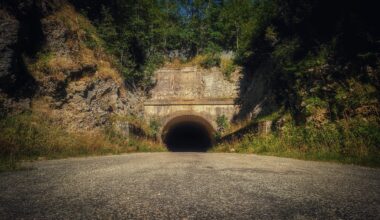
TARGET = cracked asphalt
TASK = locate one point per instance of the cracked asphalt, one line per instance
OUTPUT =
(189, 186)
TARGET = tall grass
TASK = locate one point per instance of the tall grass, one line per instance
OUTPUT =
(31, 136)
(354, 141)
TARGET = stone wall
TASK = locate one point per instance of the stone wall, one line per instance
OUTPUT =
(194, 83)
(192, 91)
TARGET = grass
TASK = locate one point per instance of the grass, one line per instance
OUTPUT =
(198, 60)
(30, 136)
(225, 63)
(354, 141)
(86, 47)
(227, 66)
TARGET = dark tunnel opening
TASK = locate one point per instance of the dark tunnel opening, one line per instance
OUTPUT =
(188, 136)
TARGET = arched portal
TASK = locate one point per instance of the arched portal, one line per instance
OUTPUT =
(188, 132)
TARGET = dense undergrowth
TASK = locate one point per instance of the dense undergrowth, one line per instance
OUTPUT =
(321, 62)
(31, 136)
(354, 141)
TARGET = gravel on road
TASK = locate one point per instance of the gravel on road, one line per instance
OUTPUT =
(189, 186)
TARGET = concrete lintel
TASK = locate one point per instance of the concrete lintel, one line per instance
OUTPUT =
(168, 102)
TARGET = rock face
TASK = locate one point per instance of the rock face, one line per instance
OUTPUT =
(8, 31)
(256, 95)
(89, 104)
(16, 87)
(74, 85)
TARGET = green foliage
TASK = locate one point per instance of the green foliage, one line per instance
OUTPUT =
(91, 38)
(348, 141)
(229, 69)
(227, 66)
(223, 124)
(154, 126)
(210, 60)
(312, 104)
(140, 34)
(307, 55)
(274, 116)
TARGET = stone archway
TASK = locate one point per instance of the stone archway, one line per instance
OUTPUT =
(188, 132)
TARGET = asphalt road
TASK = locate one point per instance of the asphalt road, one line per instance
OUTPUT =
(189, 186)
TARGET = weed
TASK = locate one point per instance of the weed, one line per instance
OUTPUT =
(349, 141)
(30, 136)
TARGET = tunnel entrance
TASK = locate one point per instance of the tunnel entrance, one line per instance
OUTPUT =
(188, 134)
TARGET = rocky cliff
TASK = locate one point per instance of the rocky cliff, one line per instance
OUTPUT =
(52, 62)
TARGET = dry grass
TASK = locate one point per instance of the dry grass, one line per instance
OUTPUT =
(86, 50)
(39, 67)
(227, 66)
(60, 63)
(32, 136)
(138, 125)
(105, 70)
(195, 61)
(42, 106)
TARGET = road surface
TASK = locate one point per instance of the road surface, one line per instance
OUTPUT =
(189, 186)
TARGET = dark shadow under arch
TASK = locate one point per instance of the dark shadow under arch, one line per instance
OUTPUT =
(188, 133)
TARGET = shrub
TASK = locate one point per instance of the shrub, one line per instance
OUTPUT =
(154, 126)
(210, 60)
(227, 66)
(223, 124)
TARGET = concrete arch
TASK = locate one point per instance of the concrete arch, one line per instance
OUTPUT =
(187, 116)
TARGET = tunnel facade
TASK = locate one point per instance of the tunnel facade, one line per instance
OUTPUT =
(186, 103)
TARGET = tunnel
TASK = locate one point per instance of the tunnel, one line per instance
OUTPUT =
(188, 133)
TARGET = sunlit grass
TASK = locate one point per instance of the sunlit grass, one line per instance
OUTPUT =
(31, 136)
(354, 141)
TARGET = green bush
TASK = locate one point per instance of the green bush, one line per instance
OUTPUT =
(210, 60)
(227, 66)
(223, 124)
(154, 126)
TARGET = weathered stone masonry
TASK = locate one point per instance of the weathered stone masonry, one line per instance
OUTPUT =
(191, 93)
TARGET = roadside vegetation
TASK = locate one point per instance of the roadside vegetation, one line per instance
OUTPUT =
(353, 141)
(324, 78)
(31, 136)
